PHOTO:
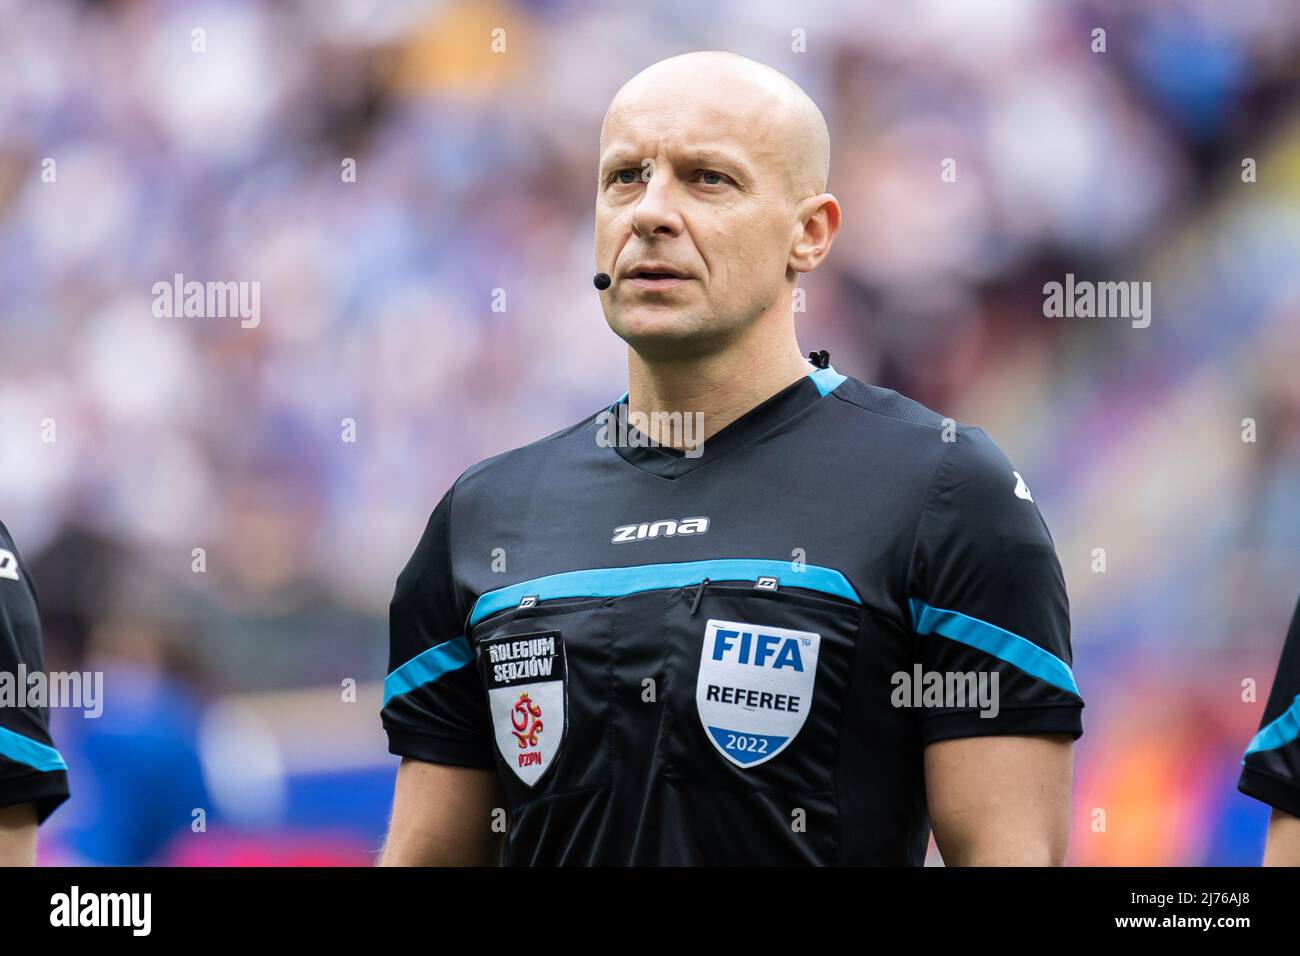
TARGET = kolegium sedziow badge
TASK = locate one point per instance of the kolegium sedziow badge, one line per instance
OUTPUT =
(525, 677)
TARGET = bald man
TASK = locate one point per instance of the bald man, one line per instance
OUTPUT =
(756, 611)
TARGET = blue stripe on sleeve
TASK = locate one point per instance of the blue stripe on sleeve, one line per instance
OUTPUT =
(1278, 732)
(991, 639)
(31, 752)
(427, 666)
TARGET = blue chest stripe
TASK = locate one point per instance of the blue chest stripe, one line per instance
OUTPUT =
(448, 656)
(617, 582)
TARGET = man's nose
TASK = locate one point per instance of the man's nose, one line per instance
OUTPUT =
(657, 210)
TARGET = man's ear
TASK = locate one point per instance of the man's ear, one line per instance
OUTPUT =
(820, 216)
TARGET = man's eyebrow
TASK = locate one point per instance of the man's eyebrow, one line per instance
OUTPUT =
(623, 157)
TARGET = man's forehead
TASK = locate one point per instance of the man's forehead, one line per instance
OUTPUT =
(635, 149)
(635, 131)
(671, 106)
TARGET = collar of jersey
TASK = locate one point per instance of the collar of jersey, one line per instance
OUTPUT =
(667, 462)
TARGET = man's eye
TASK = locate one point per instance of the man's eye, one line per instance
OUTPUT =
(720, 177)
(632, 176)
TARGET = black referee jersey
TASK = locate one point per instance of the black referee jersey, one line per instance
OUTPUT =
(730, 657)
(1271, 766)
(31, 770)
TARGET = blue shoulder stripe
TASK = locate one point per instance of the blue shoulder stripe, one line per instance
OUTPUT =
(993, 640)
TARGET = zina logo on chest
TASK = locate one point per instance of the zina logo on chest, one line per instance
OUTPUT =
(663, 528)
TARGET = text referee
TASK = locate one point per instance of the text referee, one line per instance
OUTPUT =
(836, 623)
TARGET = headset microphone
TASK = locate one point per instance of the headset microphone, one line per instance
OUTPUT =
(601, 280)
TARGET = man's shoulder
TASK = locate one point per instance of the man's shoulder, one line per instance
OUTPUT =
(11, 562)
(888, 422)
(954, 468)
(18, 597)
(885, 403)
(521, 463)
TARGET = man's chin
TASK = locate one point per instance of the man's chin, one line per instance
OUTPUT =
(652, 332)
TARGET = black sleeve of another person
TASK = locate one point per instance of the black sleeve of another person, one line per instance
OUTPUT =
(1271, 766)
(31, 770)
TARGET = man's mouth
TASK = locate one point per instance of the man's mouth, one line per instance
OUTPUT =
(655, 281)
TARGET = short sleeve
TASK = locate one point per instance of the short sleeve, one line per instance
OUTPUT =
(31, 769)
(1271, 765)
(435, 708)
(987, 602)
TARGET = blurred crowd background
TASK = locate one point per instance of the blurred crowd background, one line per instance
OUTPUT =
(229, 689)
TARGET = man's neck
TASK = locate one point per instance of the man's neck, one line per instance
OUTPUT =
(720, 386)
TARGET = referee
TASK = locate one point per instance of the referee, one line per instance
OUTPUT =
(33, 777)
(1270, 769)
(835, 623)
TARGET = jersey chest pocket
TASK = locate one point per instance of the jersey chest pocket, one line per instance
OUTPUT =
(755, 685)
